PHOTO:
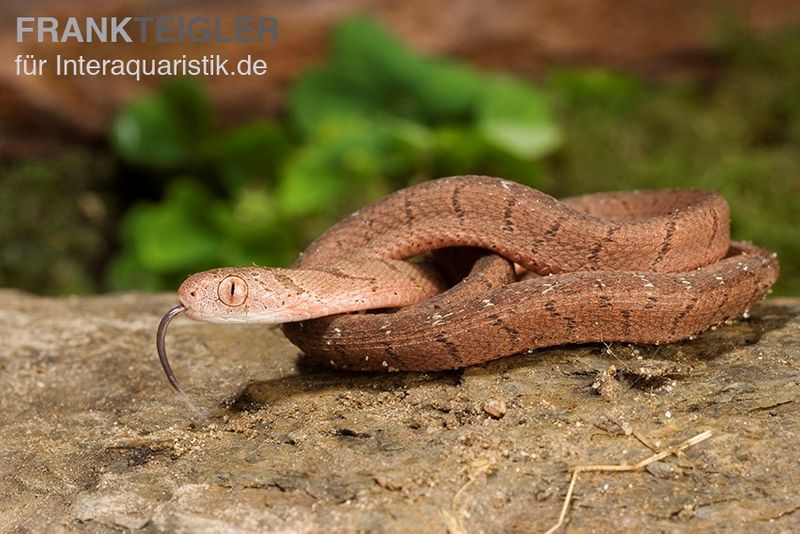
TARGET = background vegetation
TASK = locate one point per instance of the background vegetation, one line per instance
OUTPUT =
(175, 194)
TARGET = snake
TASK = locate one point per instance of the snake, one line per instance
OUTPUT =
(462, 270)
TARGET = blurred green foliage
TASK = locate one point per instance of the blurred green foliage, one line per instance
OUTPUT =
(54, 218)
(739, 136)
(187, 195)
(375, 117)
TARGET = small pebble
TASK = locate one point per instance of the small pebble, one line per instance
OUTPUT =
(495, 408)
(662, 470)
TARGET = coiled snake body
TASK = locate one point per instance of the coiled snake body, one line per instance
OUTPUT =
(643, 267)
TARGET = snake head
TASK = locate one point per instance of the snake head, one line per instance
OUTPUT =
(228, 295)
(235, 295)
(219, 295)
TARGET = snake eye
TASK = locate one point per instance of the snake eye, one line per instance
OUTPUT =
(232, 291)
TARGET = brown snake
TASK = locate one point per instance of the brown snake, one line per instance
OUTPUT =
(642, 267)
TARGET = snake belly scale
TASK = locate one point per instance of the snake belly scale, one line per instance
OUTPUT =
(643, 267)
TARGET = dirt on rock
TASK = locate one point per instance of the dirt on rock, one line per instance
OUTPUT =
(93, 439)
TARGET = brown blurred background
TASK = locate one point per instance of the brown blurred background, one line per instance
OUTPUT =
(655, 38)
(108, 183)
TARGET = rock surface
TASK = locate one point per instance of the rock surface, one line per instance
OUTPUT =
(94, 440)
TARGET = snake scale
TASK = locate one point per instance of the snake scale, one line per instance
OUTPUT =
(649, 267)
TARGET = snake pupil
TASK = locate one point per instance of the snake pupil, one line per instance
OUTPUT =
(232, 290)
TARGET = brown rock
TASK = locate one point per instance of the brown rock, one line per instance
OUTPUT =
(495, 408)
(93, 438)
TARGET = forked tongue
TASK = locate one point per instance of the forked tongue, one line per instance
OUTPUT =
(162, 355)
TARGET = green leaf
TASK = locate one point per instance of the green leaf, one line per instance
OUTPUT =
(190, 106)
(445, 90)
(252, 152)
(611, 92)
(259, 233)
(514, 117)
(349, 157)
(177, 233)
(371, 43)
(459, 150)
(310, 183)
(322, 97)
(523, 140)
(372, 74)
(164, 128)
(255, 212)
(146, 133)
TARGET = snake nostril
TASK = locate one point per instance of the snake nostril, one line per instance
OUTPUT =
(193, 293)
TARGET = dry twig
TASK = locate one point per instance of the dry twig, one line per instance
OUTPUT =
(453, 519)
(622, 468)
